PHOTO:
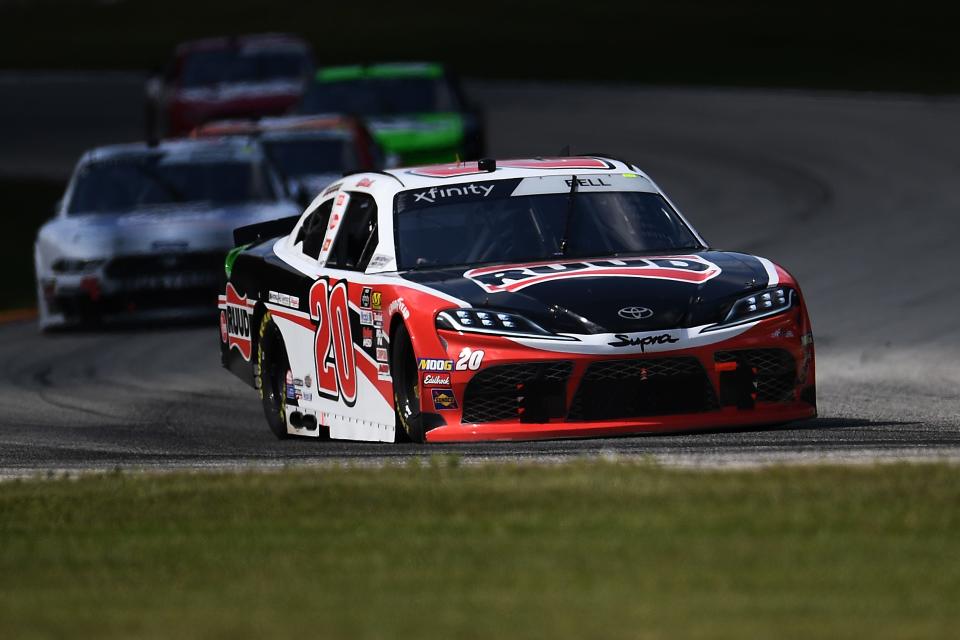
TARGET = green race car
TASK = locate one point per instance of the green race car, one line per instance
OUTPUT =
(416, 111)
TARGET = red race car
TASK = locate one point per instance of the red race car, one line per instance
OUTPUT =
(512, 300)
(243, 77)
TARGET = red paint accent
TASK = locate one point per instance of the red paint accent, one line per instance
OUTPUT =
(470, 168)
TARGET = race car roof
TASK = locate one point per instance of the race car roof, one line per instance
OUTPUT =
(208, 149)
(253, 41)
(321, 123)
(458, 172)
(383, 70)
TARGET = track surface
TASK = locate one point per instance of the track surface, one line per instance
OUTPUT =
(858, 196)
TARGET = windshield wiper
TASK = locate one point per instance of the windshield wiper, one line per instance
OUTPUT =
(568, 217)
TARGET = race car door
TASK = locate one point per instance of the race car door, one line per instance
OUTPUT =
(348, 246)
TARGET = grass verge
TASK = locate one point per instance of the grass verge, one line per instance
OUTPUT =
(26, 204)
(581, 550)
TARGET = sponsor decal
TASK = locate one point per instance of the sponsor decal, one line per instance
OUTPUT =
(283, 299)
(307, 381)
(332, 188)
(588, 182)
(289, 377)
(366, 317)
(376, 301)
(398, 305)
(335, 218)
(635, 313)
(223, 327)
(383, 371)
(469, 359)
(434, 364)
(377, 319)
(307, 397)
(381, 338)
(365, 182)
(689, 269)
(443, 399)
(379, 261)
(297, 382)
(326, 244)
(291, 392)
(642, 342)
(365, 298)
(238, 322)
(368, 337)
(782, 333)
(340, 199)
(436, 379)
(433, 194)
(382, 354)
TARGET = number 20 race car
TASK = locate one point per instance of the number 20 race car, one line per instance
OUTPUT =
(512, 300)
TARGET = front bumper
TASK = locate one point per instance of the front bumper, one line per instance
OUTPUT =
(763, 376)
(135, 288)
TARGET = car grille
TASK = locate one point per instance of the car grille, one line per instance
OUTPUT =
(614, 389)
(164, 263)
(775, 371)
(529, 391)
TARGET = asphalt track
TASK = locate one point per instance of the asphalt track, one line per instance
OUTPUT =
(858, 196)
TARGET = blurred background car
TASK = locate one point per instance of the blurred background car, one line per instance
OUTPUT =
(237, 77)
(310, 152)
(417, 111)
(142, 231)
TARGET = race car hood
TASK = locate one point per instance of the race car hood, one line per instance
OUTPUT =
(157, 230)
(414, 135)
(608, 295)
(226, 92)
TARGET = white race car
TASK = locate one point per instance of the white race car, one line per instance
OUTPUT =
(142, 231)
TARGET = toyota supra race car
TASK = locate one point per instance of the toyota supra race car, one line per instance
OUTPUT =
(511, 300)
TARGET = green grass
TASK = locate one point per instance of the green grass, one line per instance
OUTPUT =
(26, 204)
(817, 43)
(441, 551)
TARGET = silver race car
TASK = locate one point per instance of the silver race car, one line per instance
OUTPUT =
(142, 231)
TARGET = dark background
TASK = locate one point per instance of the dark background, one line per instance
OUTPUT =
(910, 46)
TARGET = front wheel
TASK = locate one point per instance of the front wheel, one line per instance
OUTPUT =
(272, 371)
(406, 388)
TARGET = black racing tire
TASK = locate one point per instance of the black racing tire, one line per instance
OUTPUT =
(406, 388)
(271, 376)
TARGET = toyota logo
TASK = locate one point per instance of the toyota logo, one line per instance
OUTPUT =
(635, 313)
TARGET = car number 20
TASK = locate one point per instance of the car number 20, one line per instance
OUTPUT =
(329, 309)
(470, 359)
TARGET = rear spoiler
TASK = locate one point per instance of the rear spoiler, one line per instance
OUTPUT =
(257, 233)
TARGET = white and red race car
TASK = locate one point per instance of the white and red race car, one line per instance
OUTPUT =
(511, 300)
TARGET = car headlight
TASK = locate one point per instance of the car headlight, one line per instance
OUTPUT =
(758, 305)
(68, 265)
(493, 322)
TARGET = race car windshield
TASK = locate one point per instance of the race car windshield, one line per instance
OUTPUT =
(111, 187)
(380, 96)
(531, 228)
(311, 156)
(206, 68)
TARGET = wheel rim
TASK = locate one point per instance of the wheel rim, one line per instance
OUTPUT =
(407, 396)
